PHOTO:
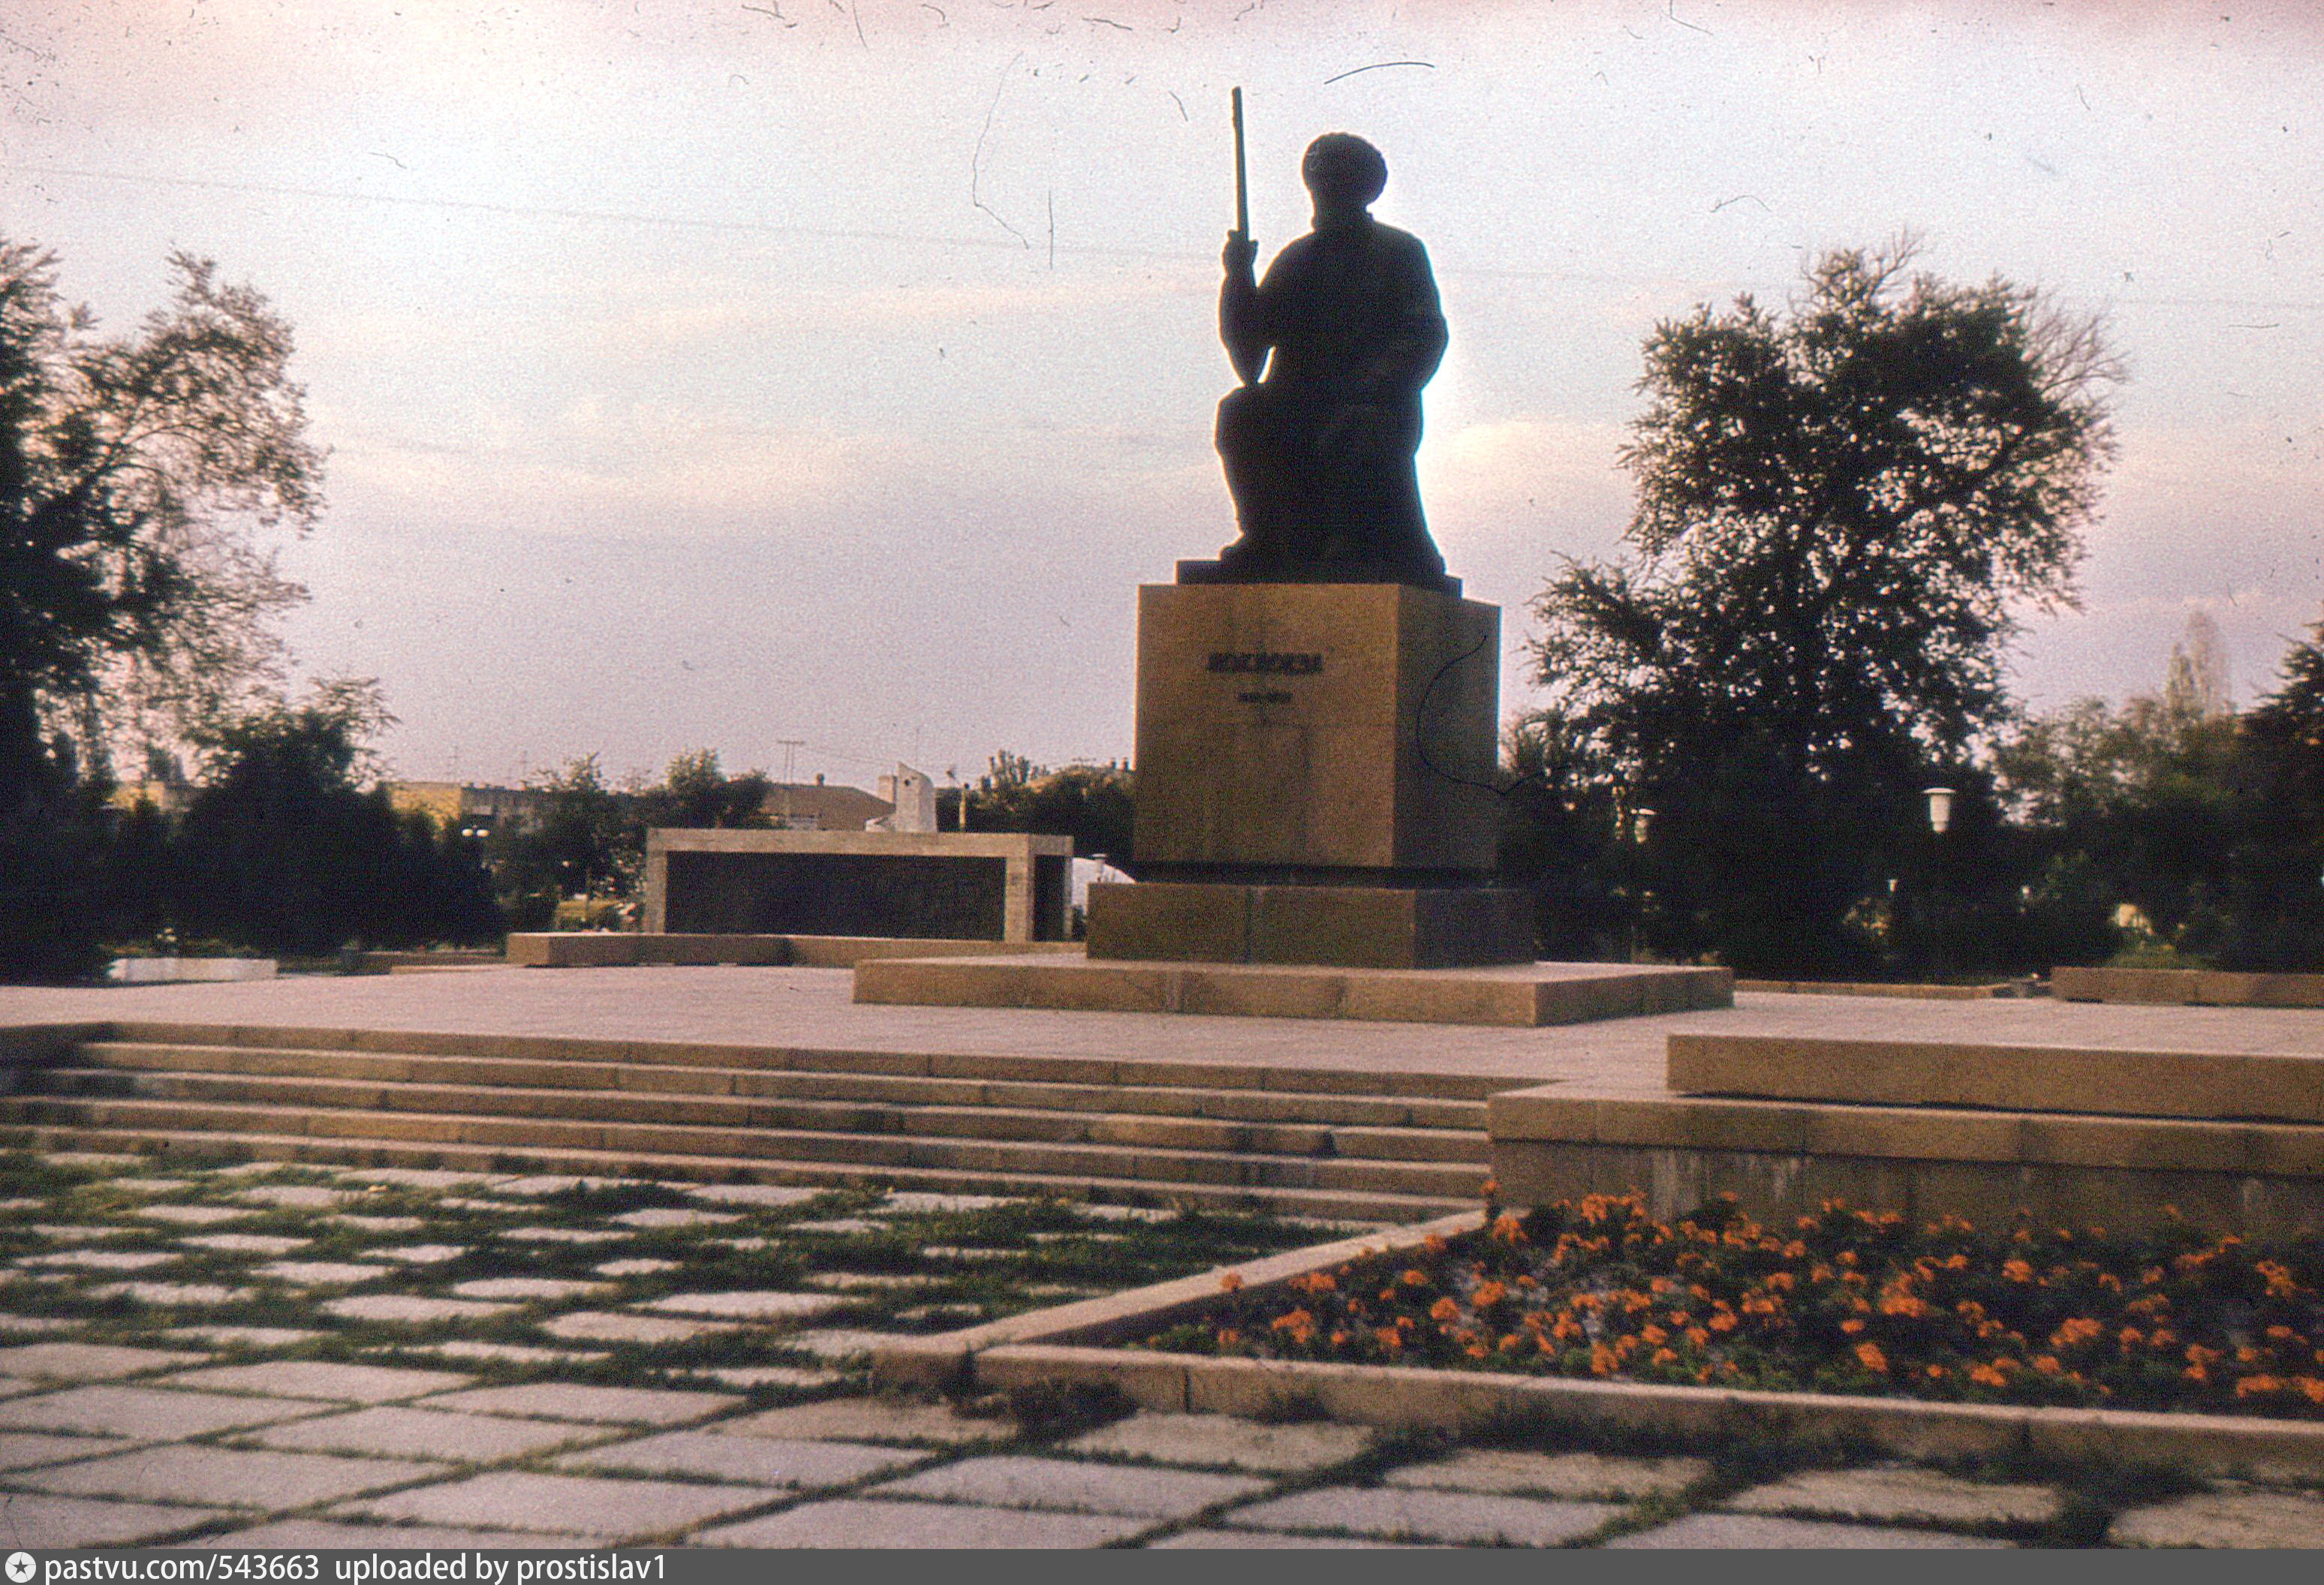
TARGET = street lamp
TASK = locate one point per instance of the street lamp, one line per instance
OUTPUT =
(1941, 808)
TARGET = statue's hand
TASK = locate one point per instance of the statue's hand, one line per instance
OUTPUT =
(1241, 254)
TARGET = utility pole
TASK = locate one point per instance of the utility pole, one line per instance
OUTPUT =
(790, 747)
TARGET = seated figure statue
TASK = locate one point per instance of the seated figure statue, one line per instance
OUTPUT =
(1319, 453)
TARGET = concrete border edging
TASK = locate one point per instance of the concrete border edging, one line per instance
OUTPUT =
(1064, 1346)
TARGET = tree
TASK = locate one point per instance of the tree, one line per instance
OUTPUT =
(1840, 510)
(696, 793)
(583, 839)
(283, 851)
(134, 472)
(1091, 804)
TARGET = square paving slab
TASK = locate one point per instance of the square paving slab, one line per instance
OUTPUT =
(1449, 1516)
(853, 1523)
(1901, 1495)
(1020, 1481)
(1721, 1532)
(600, 1326)
(756, 1460)
(143, 1412)
(867, 1419)
(412, 1309)
(24, 1450)
(603, 1405)
(748, 1306)
(321, 1378)
(575, 1505)
(2223, 1519)
(340, 1535)
(223, 1477)
(1589, 1475)
(397, 1432)
(1222, 1441)
(45, 1522)
(88, 1361)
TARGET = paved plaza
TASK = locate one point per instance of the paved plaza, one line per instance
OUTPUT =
(813, 1007)
(282, 1356)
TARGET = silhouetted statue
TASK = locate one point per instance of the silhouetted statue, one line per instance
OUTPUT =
(1319, 453)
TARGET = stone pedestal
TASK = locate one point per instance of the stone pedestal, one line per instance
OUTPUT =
(1316, 772)
(1352, 926)
(1335, 733)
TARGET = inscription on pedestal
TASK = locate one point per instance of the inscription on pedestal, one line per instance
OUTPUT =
(1307, 727)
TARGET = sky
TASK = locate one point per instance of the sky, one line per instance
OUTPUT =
(816, 380)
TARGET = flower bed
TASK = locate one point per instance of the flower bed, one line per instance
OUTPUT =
(1843, 1302)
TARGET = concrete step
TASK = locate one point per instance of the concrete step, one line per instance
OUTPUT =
(989, 1121)
(351, 1150)
(1158, 1164)
(1247, 1105)
(1124, 1073)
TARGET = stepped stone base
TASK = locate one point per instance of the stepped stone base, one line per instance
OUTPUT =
(1519, 995)
(1345, 927)
(2120, 1138)
(621, 949)
(2187, 987)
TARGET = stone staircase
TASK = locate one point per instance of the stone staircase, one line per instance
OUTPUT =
(1323, 1143)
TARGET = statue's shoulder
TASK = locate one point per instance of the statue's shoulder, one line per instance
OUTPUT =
(1401, 244)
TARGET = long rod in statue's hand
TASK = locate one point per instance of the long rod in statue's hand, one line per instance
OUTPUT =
(1242, 181)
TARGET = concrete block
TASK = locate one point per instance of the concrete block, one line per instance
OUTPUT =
(2271, 1519)
(399, 1431)
(222, 1477)
(1756, 1532)
(602, 1406)
(1445, 1518)
(1223, 1441)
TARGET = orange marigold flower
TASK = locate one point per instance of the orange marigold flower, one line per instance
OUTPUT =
(1444, 1309)
(1870, 1356)
(1654, 1335)
(1476, 1351)
(2076, 1331)
(2018, 1270)
(2130, 1337)
(1664, 1357)
(2311, 1388)
(2253, 1386)
(1698, 1337)
(1852, 1325)
(1230, 1281)
(2047, 1364)
(1416, 1278)
(1229, 1337)
(1725, 1320)
(1389, 1340)
(1987, 1375)
(1937, 1373)
(1488, 1294)
(1434, 1243)
(1511, 1343)
(1314, 1281)
(1340, 1339)
(1603, 1360)
(1508, 1228)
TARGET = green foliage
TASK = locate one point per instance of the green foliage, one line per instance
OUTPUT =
(696, 794)
(1839, 509)
(133, 470)
(2205, 828)
(581, 840)
(1089, 803)
(283, 851)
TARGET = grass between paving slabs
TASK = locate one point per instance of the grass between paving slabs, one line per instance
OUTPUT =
(1845, 1302)
(136, 1252)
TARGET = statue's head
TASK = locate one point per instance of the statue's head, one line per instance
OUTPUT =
(1343, 173)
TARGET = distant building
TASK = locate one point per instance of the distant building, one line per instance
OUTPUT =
(913, 794)
(817, 805)
(471, 810)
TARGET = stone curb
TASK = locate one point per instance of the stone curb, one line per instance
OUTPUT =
(1062, 1346)
(944, 1357)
